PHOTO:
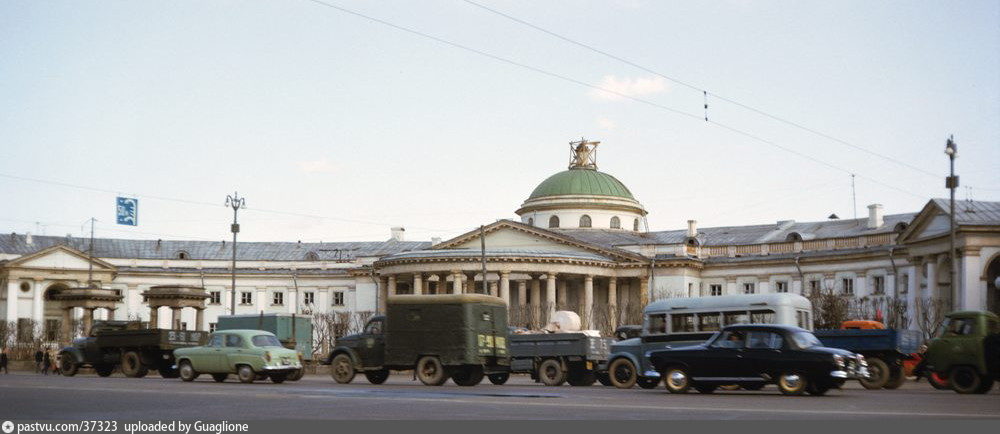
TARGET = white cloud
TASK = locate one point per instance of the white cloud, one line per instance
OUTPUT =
(606, 123)
(612, 87)
(316, 166)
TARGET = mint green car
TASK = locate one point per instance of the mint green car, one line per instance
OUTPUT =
(250, 354)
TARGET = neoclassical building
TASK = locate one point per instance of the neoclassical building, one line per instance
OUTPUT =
(579, 242)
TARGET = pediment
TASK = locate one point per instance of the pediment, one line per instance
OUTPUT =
(59, 257)
(506, 234)
(930, 222)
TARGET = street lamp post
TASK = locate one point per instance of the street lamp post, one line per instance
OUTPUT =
(237, 203)
(951, 149)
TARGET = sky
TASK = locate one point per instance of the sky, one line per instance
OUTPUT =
(336, 127)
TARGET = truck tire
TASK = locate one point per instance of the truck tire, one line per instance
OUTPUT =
(792, 383)
(186, 371)
(499, 378)
(342, 369)
(551, 373)
(878, 374)
(246, 374)
(938, 381)
(430, 371)
(580, 377)
(966, 380)
(132, 366)
(468, 375)
(377, 377)
(297, 374)
(622, 373)
(896, 378)
(104, 370)
(67, 365)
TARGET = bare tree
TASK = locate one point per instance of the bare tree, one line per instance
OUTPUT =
(829, 309)
(932, 311)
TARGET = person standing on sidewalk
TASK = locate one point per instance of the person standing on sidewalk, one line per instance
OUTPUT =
(38, 360)
(4, 361)
(46, 363)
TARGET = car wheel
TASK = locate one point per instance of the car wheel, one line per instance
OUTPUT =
(551, 373)
(278, 378)
(187, 371)
(677, 380)
(896, 379)
(104, 370)
(604, 378)
(878, 374)
(468, 375)
(622, 373)
(297, 374)
(430, 371)
(938, 381)
(965, 380)
(67, 365)
(817, 389)
(377, 377)
(342, 369)
(132, 365)
(220, 378)
(499, 379)
(792, 383)
(245, 374)
(705, 388)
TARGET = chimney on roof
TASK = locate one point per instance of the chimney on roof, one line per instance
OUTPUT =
(435, 241)
(397, 233)
(27, 239)
(875, 219)
(692, 228)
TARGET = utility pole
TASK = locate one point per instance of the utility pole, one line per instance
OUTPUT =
(236, 202)
(482, 246)
(854, 198)
(951, 149)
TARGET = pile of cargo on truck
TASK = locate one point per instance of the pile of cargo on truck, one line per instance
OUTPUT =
(559, 353)
(129, 346)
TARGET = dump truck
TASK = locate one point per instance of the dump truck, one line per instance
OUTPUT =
(136, 350)
(294, 332)
(884, 349)
(458, 336)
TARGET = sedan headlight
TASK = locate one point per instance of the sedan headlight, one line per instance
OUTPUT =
(838, 360)
(267, 356)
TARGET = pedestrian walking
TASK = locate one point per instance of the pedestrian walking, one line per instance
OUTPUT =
(38, 360)
(46, 363)
(3, 361)
(56, 366)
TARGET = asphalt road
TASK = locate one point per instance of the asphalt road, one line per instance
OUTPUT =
(25, 396)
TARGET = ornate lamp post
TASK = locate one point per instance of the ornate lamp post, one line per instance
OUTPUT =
(951, 149)
(237, 203)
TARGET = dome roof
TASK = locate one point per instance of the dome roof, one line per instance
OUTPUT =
(580, 181)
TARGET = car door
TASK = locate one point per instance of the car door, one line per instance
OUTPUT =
(233, 353)
(767, 353)
(372, 345)
(724, 357)
(213, 355)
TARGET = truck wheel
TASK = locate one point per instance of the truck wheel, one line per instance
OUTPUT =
(878, 374)
(581, 377)
(187, 371)
(342, 369)
(622, 373)
(792, 383)
(468, 375)
(551, 373)
(896, 378)
(67, 365)
(499, 379)
(377, 377)
(965, 380)
(430, 371)
(104, 370)
(676, 379)
(245, 374)
(604, 378)
(938, 381)
(132, 365)
(297, 374)
(220, 378)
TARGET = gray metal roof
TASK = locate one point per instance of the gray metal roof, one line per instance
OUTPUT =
(974, 212)
(210, 250)
(226, 271)
(497, 253)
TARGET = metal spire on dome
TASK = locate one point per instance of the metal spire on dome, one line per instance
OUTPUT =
(583, 154)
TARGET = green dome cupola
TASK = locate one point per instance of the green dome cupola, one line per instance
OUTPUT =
(581, 181)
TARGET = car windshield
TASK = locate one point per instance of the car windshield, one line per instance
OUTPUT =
(805, 340)
(266, 341)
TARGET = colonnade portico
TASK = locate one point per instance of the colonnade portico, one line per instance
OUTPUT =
(90, 299)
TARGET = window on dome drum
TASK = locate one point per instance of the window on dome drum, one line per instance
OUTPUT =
(635, 225)
(780, 286)
(715, 290)
(554, 222)
(848, 286)
(531, 221)
(616, 223)
(585, 221)
(279, 298)
(878, 285)
(749, 288)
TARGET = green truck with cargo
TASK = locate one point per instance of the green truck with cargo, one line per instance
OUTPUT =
(457, 336)
(136, 350)
(966, 351)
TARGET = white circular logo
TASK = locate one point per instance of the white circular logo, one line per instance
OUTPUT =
(8, 427)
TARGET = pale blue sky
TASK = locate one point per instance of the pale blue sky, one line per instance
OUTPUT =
(307, 109)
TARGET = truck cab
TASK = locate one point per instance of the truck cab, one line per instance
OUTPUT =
(966, 350)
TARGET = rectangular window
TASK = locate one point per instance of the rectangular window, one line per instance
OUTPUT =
(802, 319)
(715, 290)
(212, 326)
(903, 284)
(309, 298)
(338, 298)
(682, 323)
(814, 287)
(749, 288)
(708, 322)
(215, 297)
(780, 286)
(52, 329)
(184, 326)
(656, 324)
(246, 297)
(848, 286)
(878, 285)
(737, 317)
(762, 316)
(279, 298)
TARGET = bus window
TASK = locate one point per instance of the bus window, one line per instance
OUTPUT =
(656, 324)
(708, 322)
(682, 322)
(802, 318)
(762, 317)
(737, 317)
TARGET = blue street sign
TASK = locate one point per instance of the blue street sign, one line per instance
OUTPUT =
(128, 211)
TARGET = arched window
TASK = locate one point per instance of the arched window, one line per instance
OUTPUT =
(635, 225)
(531, 221)
(182, 255)
(794, 236)
(585, 221)
(312, 256)
(554, 222)
(900, 227)
(616, 223)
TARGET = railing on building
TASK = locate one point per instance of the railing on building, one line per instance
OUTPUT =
(883, 239)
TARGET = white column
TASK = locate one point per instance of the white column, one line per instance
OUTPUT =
(12, 288)
(456, 282)
(932, 279)
(37, 305)
(323, 300)
(613, 301)
(536, 299)
(588, 301)
(392, 285)
(293, 300)
(418, 283)
(970, 295)
(522, 294)
(259, 301)
(562, 293)
(505, 286)
(550, 297)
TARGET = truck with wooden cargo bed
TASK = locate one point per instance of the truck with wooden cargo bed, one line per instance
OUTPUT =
(127, 345)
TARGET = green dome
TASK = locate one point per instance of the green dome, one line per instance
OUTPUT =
(581, 181)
